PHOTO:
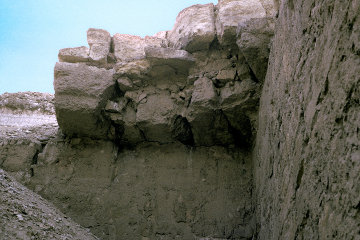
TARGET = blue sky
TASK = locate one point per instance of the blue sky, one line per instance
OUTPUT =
(33, 31)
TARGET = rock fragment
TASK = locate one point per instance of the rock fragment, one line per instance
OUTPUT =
(209, 126)
(180, 60)
(204, 94)
(99, 41)
(161, 34)
(128, 47)
(153, 117)
(194, 29)
(125, 84)
(73, 55)
(254, 38)
(81, 92)
(232, 13)
(238, 101)
(137, 69)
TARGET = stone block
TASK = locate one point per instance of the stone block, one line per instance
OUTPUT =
(231, 13)
(99, 41)
(194, 29)
(81, 92)
(73, 55)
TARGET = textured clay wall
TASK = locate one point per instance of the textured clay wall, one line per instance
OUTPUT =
(307, 156)
(150, 192)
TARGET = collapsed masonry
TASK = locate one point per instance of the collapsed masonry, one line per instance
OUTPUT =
(196, 84)
(160, 136)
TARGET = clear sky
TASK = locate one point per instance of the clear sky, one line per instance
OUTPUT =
(33, 31)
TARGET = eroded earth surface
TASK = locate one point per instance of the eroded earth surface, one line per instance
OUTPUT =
(188, 134)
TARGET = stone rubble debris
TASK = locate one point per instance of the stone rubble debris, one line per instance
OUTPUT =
(210, 65)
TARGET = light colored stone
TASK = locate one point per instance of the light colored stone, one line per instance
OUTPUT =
(209, 126)
(240, 93)
(271, 7)
(99, 53)
(116, 106)
(73, 55)
(232, 13)
(132, 95)
(168, 54)
(98, 36)
(161, 34)
(125, 84)
(226, 75)
(134, 70)
(99, 41)
(153, 117)
(178, 59)
(194, 29)
(254, 37)
(81, 92)
(153, 41)
(128, 47)
(204, 94)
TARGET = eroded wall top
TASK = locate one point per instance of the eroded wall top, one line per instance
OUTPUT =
(198, 83)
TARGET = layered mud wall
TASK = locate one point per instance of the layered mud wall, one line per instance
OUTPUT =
(163, 137)
(153, 191)
(307, 156)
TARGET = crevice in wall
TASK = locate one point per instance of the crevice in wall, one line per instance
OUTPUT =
(253, 76)
(302, 225)
(299, 175)
(215, 45)
(35, 157)
(243, 138)
(290, 4)
(34, 160)
(181, 131)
